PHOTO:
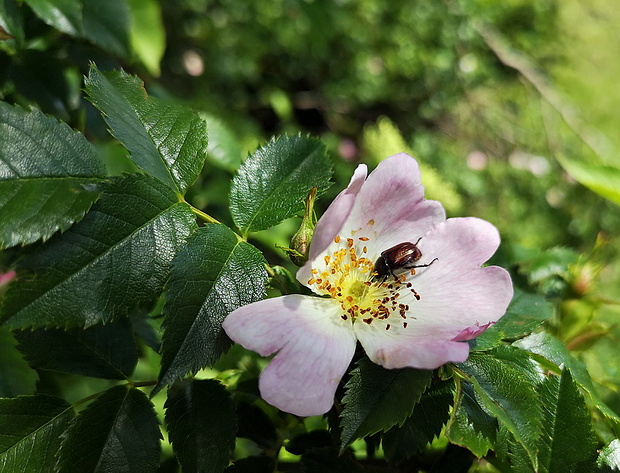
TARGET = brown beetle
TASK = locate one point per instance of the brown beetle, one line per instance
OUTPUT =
(398, 259)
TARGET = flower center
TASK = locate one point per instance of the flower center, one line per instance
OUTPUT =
(349, 277)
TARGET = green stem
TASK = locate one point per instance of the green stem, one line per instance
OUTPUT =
(138, 384)
(203, 216)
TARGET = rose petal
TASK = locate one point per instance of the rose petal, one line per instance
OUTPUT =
(413, 351)
(455, 295)
(460, 242)
(337, 213)
(472, 332)
(314, 345)
(393, 199)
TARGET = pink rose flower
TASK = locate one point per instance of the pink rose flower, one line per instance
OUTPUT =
(419, 315)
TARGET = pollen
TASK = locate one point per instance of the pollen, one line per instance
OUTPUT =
(347, 275)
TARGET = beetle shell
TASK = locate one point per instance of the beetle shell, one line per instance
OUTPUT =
(397, 259)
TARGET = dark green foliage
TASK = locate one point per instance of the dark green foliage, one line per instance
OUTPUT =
(118, 256)
(377, 399)
(119, 293)
(16, 376)
(509, 396)
(48, 176)
(165, 140)
(201, 420)
(568, 441)
(30, 432)
(117, 432)
(525, 313)
(423, 425)
(102, 351)
(212, 275)
(274, 181)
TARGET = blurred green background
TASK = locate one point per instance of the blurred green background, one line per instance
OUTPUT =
(510, 107)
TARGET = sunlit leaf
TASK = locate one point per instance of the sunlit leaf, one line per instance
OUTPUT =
(471, 425)
(119, 431)
(166, 140)
(525, 313)
(64, 15)
(568, 444)
(117, 257)
(509, 396)
(212, 275)
(609, 458)
(274, 181)
(553, 350)
(148, 37)
(31, 432)
(377, 398)
(600, 178)
(48, 174)
(201, 421)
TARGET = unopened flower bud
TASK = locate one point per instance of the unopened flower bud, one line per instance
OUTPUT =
(300, 243)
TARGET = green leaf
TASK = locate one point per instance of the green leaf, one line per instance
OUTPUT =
(101, 351)
(509, 395)
(598, 177)
(377, 398)
(274, 181)
(148, 37)
(118, 432)
(167, 141)
(568, 443)
(47, 172)
(524, 314)
(224, 148)
(11, 21)
(30, 432)
(117, 257)
(16, 377)
(609, 458)
(425, 423)
(470, 425)
(107, 24)
(64, 15)
(554, 351)
(201, 421)
(214, 274)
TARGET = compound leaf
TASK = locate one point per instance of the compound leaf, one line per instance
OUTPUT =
(201, 421)
(212, 275)
(48, 174)
(101, 351)
(118, 432)
(167, 141)
(378, 398)
(16, 377)
(423, 425)
(30, 432)
(510, 396)
(273, 182)
(568, 444)
(117, 257)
